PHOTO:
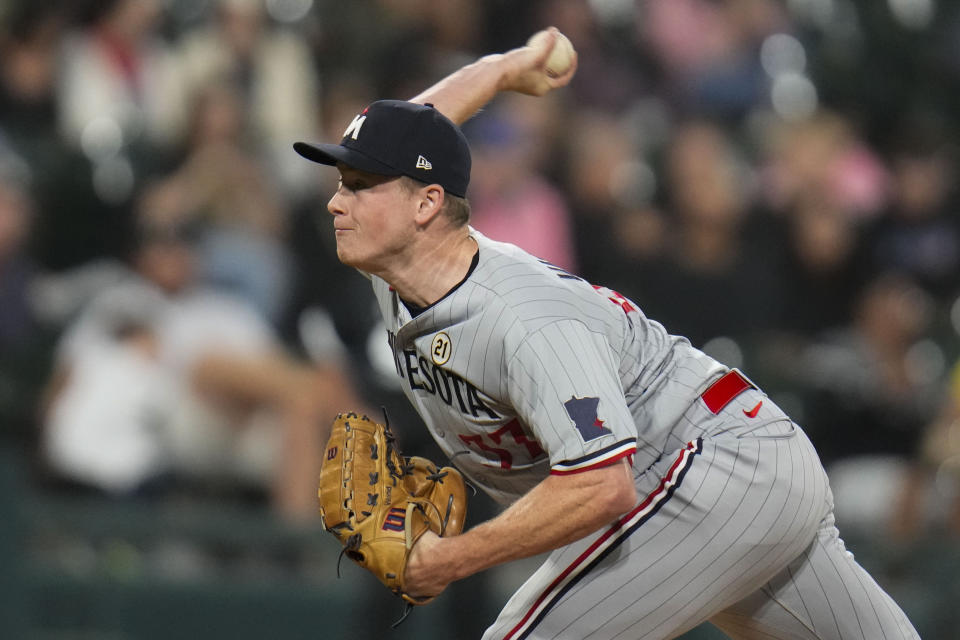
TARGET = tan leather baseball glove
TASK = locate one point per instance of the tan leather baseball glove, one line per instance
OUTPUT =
(378, 503)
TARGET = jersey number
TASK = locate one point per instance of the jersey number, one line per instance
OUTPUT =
(616, 298)
(506, 458)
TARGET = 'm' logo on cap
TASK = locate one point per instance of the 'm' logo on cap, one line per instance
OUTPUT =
(423, 163)
(354, 129)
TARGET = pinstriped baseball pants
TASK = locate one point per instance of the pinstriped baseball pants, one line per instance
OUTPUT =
(737, 530)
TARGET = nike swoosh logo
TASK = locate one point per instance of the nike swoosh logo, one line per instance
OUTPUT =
(753, 412)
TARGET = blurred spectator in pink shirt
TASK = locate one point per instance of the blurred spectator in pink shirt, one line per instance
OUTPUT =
(510, 198)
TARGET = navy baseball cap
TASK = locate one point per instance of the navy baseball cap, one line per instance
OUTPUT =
(394, 138)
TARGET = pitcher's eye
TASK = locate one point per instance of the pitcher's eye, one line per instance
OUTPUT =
(355, 184)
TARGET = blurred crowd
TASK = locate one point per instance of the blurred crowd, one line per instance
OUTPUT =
(774, 179)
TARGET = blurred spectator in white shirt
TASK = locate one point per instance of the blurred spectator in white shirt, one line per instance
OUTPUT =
(161, 375)
(276, 77)
(120, 82)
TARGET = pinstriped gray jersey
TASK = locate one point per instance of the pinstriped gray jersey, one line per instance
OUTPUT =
(525, 370)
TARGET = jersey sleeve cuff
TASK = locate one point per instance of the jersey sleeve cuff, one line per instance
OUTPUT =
(601, 458)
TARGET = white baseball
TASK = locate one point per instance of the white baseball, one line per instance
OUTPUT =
(561, 56)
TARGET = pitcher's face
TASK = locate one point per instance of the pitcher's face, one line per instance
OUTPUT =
(372, 218)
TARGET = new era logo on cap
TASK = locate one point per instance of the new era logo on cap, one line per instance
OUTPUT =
(394, 137)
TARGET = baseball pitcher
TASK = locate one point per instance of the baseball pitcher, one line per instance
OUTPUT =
(668, 489)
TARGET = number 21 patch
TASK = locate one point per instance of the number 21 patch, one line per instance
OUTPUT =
(440, 349)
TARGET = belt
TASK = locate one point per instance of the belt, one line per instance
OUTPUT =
(724, 389)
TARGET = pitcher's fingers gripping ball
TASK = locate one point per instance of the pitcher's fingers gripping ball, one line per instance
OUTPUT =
(378, 503)
(547, 62)
(561, 56)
